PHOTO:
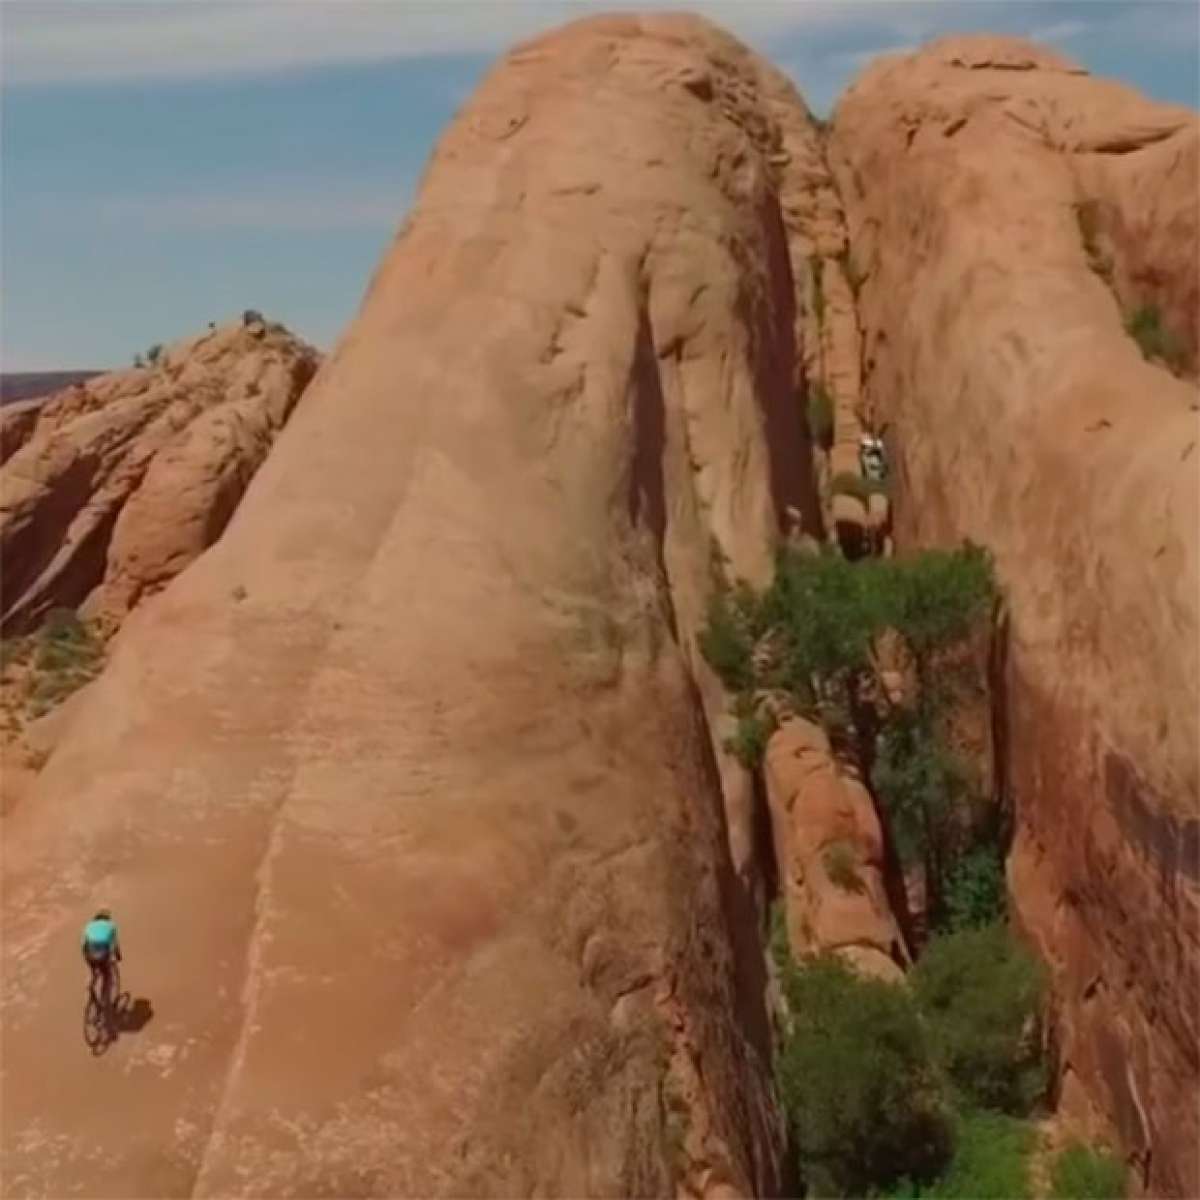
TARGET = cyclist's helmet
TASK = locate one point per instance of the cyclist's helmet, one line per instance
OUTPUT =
(103, 914)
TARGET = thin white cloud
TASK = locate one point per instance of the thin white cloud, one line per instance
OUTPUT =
(80, 41)
(1060, 31)
(273, 211)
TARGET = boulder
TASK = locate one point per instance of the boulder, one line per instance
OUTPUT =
(830, 854)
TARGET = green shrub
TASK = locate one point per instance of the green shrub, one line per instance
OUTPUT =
(64, 641)
(980, 993)
(824, 613)
(819, 611)
(1156, 341)
(14, 650)
(154, 353)
(974, 891)
(841, 865)
(864, 1100)
(749, 742)
(938, 597)
(777, 935)
(922, 786)
(66, 655)
(991, 1162)
(726, 643)
(848, 483)
(820, 415)
(1083, 1173)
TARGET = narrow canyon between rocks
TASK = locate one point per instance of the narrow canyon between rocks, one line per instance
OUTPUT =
(478, 729)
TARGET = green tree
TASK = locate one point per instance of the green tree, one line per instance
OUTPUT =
(819, 623)
(922, 786)
(975, 894)
(980, 993)
(937, 598)
(727, 643)
(991, 1162)
(864, 1100)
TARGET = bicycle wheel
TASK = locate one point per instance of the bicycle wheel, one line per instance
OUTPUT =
(112, 999)
(94, 1025)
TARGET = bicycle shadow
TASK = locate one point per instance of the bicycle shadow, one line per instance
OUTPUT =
(128, 1016)
(132, 1016)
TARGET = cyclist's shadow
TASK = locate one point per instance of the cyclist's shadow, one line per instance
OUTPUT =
(126, 1015)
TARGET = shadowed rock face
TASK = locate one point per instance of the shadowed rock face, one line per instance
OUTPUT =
(111, 487)
(1027, 420)
(403, 793)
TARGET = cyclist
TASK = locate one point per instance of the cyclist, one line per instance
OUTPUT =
(101, 948)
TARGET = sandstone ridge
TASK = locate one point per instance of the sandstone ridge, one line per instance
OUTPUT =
(110, 487)
(990, 188)
(405, 774)
(413, 760)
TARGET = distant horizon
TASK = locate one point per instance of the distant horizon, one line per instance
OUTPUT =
(169, 163)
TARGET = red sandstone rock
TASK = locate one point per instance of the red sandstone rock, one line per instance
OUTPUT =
(110, 488)
(1028, 421)
(403, 791)
(830, 854)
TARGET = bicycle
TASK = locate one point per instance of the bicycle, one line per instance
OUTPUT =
(99, 1014)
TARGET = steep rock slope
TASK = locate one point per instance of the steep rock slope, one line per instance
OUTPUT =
(109, 488)
(1028, 421)
(404, 792)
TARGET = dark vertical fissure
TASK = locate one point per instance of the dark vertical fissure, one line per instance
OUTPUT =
(779, 383)
(647, 487)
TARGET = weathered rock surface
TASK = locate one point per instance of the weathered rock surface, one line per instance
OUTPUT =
(403, 792)
(111, 487)
(1027, 420)
(830, 854)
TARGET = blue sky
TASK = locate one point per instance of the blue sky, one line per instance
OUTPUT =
(167, 163)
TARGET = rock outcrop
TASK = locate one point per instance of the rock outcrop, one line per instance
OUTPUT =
(111, 487)
(403, 792)
(1027, 420)
(830, 854)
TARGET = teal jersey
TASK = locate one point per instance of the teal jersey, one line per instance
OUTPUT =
(100, 933)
